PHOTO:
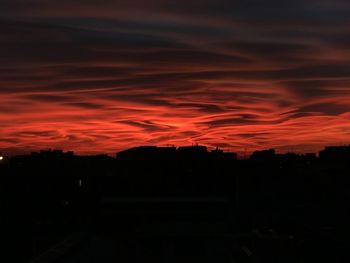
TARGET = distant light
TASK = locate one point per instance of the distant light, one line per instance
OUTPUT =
(1, 158)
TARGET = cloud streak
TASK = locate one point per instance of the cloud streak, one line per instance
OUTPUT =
(101, 77)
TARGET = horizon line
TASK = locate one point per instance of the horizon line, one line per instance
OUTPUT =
(240, 153)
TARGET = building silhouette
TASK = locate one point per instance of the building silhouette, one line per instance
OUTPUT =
(271, 207)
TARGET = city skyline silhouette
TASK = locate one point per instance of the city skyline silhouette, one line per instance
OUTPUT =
(185, 203)
(174, 131)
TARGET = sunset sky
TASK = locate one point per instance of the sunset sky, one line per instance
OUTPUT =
(101, 76)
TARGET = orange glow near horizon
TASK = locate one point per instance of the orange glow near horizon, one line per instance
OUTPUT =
(99, 80)
(102, 123)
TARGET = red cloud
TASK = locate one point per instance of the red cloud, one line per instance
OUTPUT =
(97, 79)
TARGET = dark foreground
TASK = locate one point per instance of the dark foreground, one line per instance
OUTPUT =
(181, 209)
(110, 248)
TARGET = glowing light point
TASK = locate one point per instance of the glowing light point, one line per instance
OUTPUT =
(1, 158)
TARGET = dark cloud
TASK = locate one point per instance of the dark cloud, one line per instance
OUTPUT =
(148, 126)
(47, 98)
(106, 75)
(86, 105)
(325, 108)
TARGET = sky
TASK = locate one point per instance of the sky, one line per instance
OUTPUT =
(101, 76)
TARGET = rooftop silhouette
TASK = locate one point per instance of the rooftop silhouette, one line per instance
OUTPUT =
(269, 206)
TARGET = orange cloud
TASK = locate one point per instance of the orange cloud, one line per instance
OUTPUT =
(96, 78)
